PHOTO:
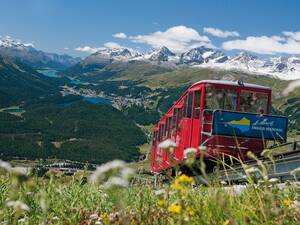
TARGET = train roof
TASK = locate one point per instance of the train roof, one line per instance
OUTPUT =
(233, 83)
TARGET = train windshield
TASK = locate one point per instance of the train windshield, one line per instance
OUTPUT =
(253, 102)
(219, 98)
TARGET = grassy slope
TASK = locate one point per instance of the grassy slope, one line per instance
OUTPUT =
(83, 132)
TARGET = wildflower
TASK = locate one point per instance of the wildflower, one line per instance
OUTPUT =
(105, 218)
(167, 144)
(226, 222)
(186, 179)
(94, 216)
(116, 182)
(162, 203)
(202, 148)
(295, 171)
(182, 183)
(287, 202)
(223, 182)
(17, 205)
(159, 192)
(174, 208)
(295, 204)
(273, 180)
(5, 165)
(98, 223)
(252, 170)
(189, 152)
(114, 173)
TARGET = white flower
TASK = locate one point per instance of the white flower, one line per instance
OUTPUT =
(202, 148)
(295, 204)
(223, 182)
(159, 192)
(5, 165)
(112, 174)
(189, 151)
(252, 170)
(116, 182)
(273, 180)
(94, 216)
(20, 170)
(126, 172)
(101, 171)
(295, 171)
(98, 223)
(17, 205)
(167, 144)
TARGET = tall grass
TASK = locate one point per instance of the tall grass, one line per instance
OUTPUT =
(105, 198)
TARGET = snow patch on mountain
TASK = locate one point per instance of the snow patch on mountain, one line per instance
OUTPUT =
(26, 53)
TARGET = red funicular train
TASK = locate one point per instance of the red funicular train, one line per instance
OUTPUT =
(226, 117)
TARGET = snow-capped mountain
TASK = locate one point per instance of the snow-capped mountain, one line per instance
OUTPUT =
(202, 55)
(108, 55)
(162, 54)
(287, 68)
(27, 54)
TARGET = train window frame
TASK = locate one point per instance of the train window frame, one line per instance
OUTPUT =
(168, 126)
(262, 108)
(174, 118)
(179, 119)
(190, 99)
(216, 97)
(197, 105)
(185, 101)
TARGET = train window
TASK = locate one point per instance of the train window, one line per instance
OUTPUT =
(197, 104)
(161, 131)
(218, 98)
(167, 128)
(174, 118)
(253, 102)
(190, 105)
(185, 101)
(179, 118)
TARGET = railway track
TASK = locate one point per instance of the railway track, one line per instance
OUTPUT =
(280, 167)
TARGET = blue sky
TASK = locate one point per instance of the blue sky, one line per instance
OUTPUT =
(65, 25)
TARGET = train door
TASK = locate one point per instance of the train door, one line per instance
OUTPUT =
(195, 131)
(187, 119)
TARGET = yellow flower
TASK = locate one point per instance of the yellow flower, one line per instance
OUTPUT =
(162, 203)
(185, 179)
(287, 202)
(105, 218)
(226, 222)
(174, 208)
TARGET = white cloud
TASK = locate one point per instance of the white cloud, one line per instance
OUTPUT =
(66, 48)
(220, 33)
(177, 38)
(288, 44)
(293, 35)
(87, 49)
(112, 45)
(120, 35)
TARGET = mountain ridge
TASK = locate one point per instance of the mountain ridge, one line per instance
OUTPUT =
(285, 68)
(27, 54)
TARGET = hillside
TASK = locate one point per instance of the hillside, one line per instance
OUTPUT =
(19, 82)
(81, 131)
